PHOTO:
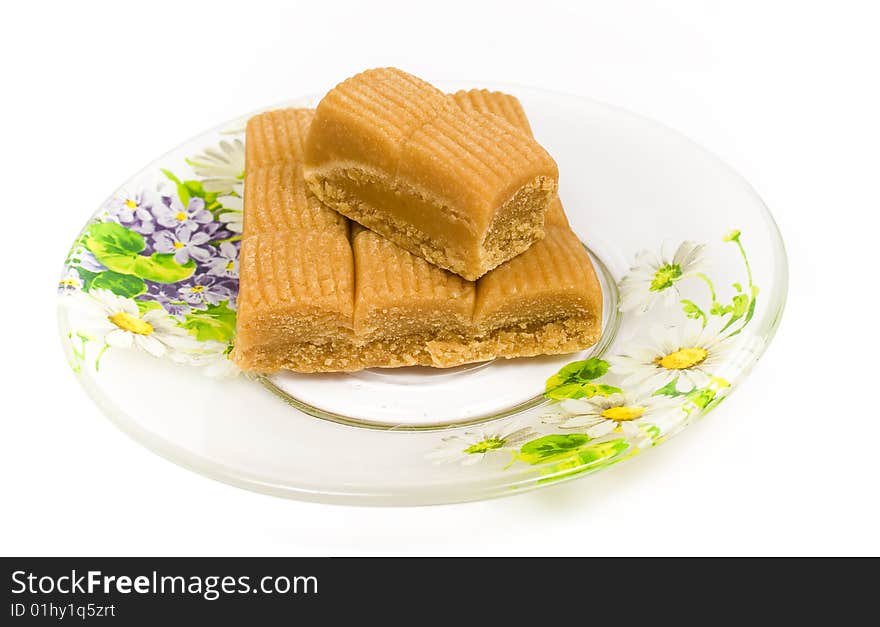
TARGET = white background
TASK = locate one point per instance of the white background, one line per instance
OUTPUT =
(785, 92)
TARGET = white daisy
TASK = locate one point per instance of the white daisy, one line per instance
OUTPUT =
(654, 276)
(234, 205)
(473, 446)
(220, 367)
(222, 169)
(118, 322)
(212, 357)
(688, 353)
(625, 414)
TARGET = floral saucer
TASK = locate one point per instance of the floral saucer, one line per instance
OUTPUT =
(694, 278)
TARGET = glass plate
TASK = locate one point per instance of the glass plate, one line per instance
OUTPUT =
(694, 277)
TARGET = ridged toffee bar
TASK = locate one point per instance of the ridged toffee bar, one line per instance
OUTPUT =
(462, 188)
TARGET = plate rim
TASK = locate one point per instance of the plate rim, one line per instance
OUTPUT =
(439, 492)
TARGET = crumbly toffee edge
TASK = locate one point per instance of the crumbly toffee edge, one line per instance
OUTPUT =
(565, 335)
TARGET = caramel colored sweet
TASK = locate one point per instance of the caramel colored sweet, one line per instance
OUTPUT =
(278, 199)
(460, 187)
(293, 291)
(509, 108)
(318, 295)
(399, 294)
(277, 137)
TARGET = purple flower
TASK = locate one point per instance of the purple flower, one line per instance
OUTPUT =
(184, 243)
(225, 264)
(143, 224)
(124, 205)
(216, 232)
(203, 289)
(171, 213)
(213, 229)
(232, 286)
(166, 295)
(132, 210)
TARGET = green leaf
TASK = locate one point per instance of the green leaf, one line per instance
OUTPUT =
(751, 311)
(715, 403)
(582, 390)
(161, 268)
(182, 191)
(117, 248)
(600, 452)
(749, 314)
(740, 305)
(552, 447)
(602, 389)
(585, 370)
(565, 390)
(217, 322)
(670, 389)
(718, 309)
(692, 311)
(123, 285)
(738, 287)
(700, 397)
(586, 458)
(170, 175)
(571, 380)
(732, 236)
(114, 245)
(147, 305)
(196, 189)
(186, 190)
(737, 310)
(87, 277)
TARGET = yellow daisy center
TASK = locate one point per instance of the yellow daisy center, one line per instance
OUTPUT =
(130, 203)
(180, 217)
(665, 277)
(198, 289)
(230, 265)
(69, 282)
(623, 413)
(132, 324)
(683, 358)
(178, 245)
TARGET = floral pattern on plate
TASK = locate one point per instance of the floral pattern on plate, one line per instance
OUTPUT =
(602, 411)
(157, 268)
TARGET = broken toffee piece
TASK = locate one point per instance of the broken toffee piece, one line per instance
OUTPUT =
(462, 188)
